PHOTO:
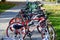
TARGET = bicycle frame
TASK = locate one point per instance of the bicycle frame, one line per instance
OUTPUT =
(25, 23)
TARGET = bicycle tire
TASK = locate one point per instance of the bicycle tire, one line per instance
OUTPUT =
(51, 31)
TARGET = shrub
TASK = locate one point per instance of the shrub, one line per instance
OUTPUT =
(6, 5)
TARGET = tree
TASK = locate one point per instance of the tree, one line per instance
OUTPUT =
(3, 0)
(58, 1)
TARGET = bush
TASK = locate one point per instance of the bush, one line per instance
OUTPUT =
(52, 8)
(58, 1)
(3, 0)
(4, 6)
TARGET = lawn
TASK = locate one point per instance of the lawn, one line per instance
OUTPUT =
(54, 17)
(1, 10)
(5, 6)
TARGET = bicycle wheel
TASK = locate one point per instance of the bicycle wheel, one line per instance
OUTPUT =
(44, 33)
(33, 35)
(14, 35)
(51, 32)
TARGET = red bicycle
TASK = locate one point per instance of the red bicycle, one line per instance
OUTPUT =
(37, 22)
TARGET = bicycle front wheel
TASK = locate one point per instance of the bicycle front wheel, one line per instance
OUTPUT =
(51, 32)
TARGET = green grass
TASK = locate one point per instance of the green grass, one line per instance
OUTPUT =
(50, 0)
(1, 10)
(5, 6)
(54, 17)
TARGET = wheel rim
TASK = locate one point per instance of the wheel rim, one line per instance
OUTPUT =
(51, 32)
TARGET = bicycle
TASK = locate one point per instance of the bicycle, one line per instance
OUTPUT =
(36, 26)
(27, 31)
(46, 29)
(49, 28)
